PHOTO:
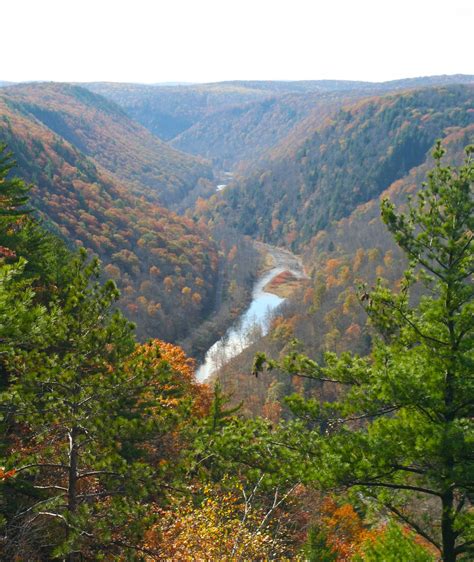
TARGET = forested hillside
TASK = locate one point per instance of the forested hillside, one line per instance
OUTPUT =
(165, 265)
(111, 450)
(101, 130)
(326, 313)
(342, 434)
(307, 86)
(240, 135)
(236, 122)
(168, 110)
(351, 159)
(244, 134)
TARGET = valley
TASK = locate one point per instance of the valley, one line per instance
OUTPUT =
(236, 320)
(172, 186)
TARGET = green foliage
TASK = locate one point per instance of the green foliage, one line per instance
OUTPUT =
(394, 545)
(402, 432)
(23, 321)
(13, 192)
(77, 406)
(86, 416)
(316, 548)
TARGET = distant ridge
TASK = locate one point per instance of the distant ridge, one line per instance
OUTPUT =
(246, 126)
(324, 172)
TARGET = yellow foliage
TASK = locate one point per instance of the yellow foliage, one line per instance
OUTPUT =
(219, 528)
(358, 258)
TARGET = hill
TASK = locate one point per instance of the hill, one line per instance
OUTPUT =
(164, 264)
(101, 129)
(308, 182)
(306, 86)
(235, 123)
(326, 315)
(169, 110)
(244, 133)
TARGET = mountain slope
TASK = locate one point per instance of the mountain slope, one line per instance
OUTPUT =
(235, 123)
(100, 129)
(348, 161)
(326, 315)
(244, 133)
(164, 264)
(308, 86)
(168, 110)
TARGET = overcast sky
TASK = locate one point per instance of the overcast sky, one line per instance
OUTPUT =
(212, 40)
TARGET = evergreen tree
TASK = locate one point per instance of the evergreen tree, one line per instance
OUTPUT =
(22, 235)
(86, 420)
(402, 433)
(13, 191)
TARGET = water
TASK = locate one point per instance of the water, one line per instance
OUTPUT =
(255, 321)
(224, 177)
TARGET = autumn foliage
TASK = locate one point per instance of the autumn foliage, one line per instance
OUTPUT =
(344, 529)
(149, 251)
(217, 527)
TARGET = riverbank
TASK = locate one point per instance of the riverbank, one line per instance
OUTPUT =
(255, 321)
(287, 282)
(284, 284)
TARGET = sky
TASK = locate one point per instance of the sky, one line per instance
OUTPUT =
(151, 41)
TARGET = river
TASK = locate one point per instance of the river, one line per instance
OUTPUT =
(224, 177)
(257, 317)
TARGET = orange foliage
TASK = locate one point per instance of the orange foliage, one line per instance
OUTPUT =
(331, 266)
(183, 367)
(168, 283)
(233, 252)
(6, 474)
(331, 282)
(308, 295)
(272, 411)
(138, 240)
(196, 298)
(353, 331)
(379, 270)
(345, 529)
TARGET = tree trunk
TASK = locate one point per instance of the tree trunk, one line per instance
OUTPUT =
(72, 479)
(447, 500)
(447, 529)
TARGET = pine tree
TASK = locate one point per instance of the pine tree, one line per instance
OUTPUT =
(13, 191)
(402, 434)
(86, 416)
